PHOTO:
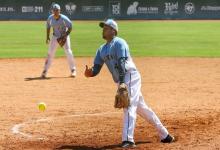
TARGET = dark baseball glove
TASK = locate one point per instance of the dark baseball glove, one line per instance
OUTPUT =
(122, 99)
(62, 40)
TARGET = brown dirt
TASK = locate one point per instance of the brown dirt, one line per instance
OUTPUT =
(184, 92)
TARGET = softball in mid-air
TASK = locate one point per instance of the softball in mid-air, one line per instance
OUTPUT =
(42, 106)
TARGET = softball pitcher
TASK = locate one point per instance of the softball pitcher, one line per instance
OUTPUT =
(115, 54)
(62, 26)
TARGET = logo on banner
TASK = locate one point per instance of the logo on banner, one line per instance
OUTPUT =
(30, 9)
(115, 8)
(70, 8)
(51, 8)
(92, 8)
(210, 8)
(7, 9)
(133, 9)
(171, 8)
(189, 8)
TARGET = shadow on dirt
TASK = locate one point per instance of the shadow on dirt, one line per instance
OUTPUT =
(40, 78)
(35, 78)
(75, 147)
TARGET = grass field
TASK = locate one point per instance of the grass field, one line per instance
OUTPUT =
(146, 38)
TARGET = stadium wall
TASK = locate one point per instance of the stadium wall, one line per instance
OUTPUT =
(117, 9)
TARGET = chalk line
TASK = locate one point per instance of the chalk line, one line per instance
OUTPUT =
(16, 128)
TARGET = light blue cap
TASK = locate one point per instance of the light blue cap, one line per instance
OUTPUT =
(56, 6)
(111, 23)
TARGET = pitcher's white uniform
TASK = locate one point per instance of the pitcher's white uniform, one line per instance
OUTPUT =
(59, 28)
(109, 54)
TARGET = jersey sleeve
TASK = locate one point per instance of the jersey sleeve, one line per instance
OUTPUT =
(122, 50)
(98, 59)
(68, 22)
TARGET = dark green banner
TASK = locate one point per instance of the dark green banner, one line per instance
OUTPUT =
(118, 9)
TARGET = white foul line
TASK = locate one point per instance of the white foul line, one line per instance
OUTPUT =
(16, 128)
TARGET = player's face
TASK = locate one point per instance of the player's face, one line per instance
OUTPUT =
(56, 12)
(108, 32)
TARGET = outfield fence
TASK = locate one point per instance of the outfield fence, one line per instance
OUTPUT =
(117, 9)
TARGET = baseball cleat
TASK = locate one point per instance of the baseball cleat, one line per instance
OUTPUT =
(128, 144)
(168, 139)
(73, 73)
(44, 74)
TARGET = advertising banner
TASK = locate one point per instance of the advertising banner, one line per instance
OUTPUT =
(117, 9)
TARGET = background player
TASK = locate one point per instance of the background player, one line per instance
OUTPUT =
(115, 54)
(62, 26)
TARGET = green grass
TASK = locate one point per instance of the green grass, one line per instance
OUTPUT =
(146, 38)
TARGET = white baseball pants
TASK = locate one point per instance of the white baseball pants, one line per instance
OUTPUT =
(53, 45)
(138, 105)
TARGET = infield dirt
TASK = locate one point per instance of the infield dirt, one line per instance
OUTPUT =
(184, 93)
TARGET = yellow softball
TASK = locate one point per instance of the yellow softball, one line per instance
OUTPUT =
(42, 106)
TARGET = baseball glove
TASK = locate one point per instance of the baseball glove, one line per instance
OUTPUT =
(61, 40)
(122, 99)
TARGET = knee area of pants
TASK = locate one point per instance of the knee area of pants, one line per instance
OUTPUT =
(131, 114)
(49, 55)
(69, 51)
(145, 107)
